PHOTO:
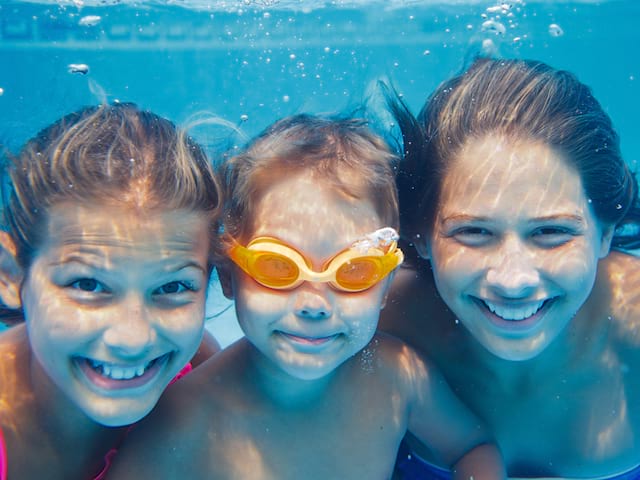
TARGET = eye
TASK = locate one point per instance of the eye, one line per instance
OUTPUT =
(172, 288)
(472, 235)
(90, 285)
(550, 236)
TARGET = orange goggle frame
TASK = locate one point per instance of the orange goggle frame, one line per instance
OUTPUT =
(273, 264)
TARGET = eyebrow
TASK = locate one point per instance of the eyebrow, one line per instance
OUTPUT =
(85, 260)
(462, 218)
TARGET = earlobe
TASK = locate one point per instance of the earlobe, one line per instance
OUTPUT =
(421, 245)
(226, 282)
(10, 273)
(606, 239)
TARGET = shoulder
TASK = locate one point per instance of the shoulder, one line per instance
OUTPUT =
(407, 367)
(617, 290)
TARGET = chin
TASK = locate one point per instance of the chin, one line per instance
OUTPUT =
(515, 351)
(118, 415)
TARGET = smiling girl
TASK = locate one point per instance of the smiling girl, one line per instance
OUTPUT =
(514, 189)
(108, 248)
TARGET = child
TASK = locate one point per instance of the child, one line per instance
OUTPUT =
(311, 392)
(110, 235)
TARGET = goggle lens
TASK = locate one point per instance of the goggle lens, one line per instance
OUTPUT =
(357, 274)
(274, 270)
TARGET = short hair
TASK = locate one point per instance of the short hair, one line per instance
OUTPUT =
(334, 150)
(518, 99)
(110, 154)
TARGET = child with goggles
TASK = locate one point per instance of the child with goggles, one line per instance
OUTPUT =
(311, 392)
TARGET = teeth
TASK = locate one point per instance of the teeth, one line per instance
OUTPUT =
(117, 372)
(511, 313)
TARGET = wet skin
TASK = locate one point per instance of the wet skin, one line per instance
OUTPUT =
(114, 306)
(514, 228)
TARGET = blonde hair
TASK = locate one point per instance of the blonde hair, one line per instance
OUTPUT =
(336, 151)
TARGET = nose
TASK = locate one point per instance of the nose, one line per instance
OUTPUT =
(514, 273)
(130, 332)
(313, 303)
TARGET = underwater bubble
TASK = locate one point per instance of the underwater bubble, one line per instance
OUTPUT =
(81, 68)
(426, 52)
(244, 117)
(1, 91)
(491, 26)
(285, 98)
(89, 20)
(555, 30)
(488, 47)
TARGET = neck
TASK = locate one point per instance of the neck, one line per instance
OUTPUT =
(582, 343)
(64, 427)
(281, 388)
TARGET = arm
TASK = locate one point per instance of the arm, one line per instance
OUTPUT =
(438, 418)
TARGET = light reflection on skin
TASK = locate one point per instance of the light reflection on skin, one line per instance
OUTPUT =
(514, 228)
(121, 287)
(319, 224)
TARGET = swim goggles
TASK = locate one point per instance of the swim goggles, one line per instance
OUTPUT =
(273, 264)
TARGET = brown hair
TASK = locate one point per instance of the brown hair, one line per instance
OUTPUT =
(518, 99)
(332, 149)
(111, 154)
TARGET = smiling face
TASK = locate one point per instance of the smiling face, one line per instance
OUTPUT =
(310, 330)
(515, 244)
(114, 304)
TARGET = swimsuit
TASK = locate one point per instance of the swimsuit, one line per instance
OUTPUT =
(3, 458)
(411, 467)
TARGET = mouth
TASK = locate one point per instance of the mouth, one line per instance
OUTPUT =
(112, 376)
(516, 316)
(306, 341)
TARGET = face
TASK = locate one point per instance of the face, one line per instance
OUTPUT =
(114, 304)
(515, 244)
(309, 331)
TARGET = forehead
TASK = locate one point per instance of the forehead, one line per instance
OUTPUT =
(305, 211)
(125, 230)
(497, 174)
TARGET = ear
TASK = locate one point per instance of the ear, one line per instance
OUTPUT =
(605, 240)
(226, 282)
(11, 273)
(421, 244)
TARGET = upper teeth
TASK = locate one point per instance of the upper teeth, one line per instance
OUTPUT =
(511, 313)
(118, 372)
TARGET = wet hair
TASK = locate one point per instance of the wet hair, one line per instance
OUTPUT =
(106, 155)
(343, 153)
(519, 100)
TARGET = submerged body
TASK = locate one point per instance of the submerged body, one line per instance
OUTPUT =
(564, 414)
(310, 392)
(106, 259)
(517, 298)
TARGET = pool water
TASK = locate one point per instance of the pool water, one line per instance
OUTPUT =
(252, 61)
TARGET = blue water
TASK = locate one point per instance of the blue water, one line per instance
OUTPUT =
(251, 62)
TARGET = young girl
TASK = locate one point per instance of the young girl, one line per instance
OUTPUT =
(311, 392)
(514, 188)
(110, 221)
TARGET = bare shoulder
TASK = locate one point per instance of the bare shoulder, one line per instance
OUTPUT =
(401, 361)
(618, 290)
(174, 440)
(14, 356)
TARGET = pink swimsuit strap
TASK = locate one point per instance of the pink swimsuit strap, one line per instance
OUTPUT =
(3, 458)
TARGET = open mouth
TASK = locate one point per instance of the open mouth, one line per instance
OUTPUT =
(110, 376)
(520, 316)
